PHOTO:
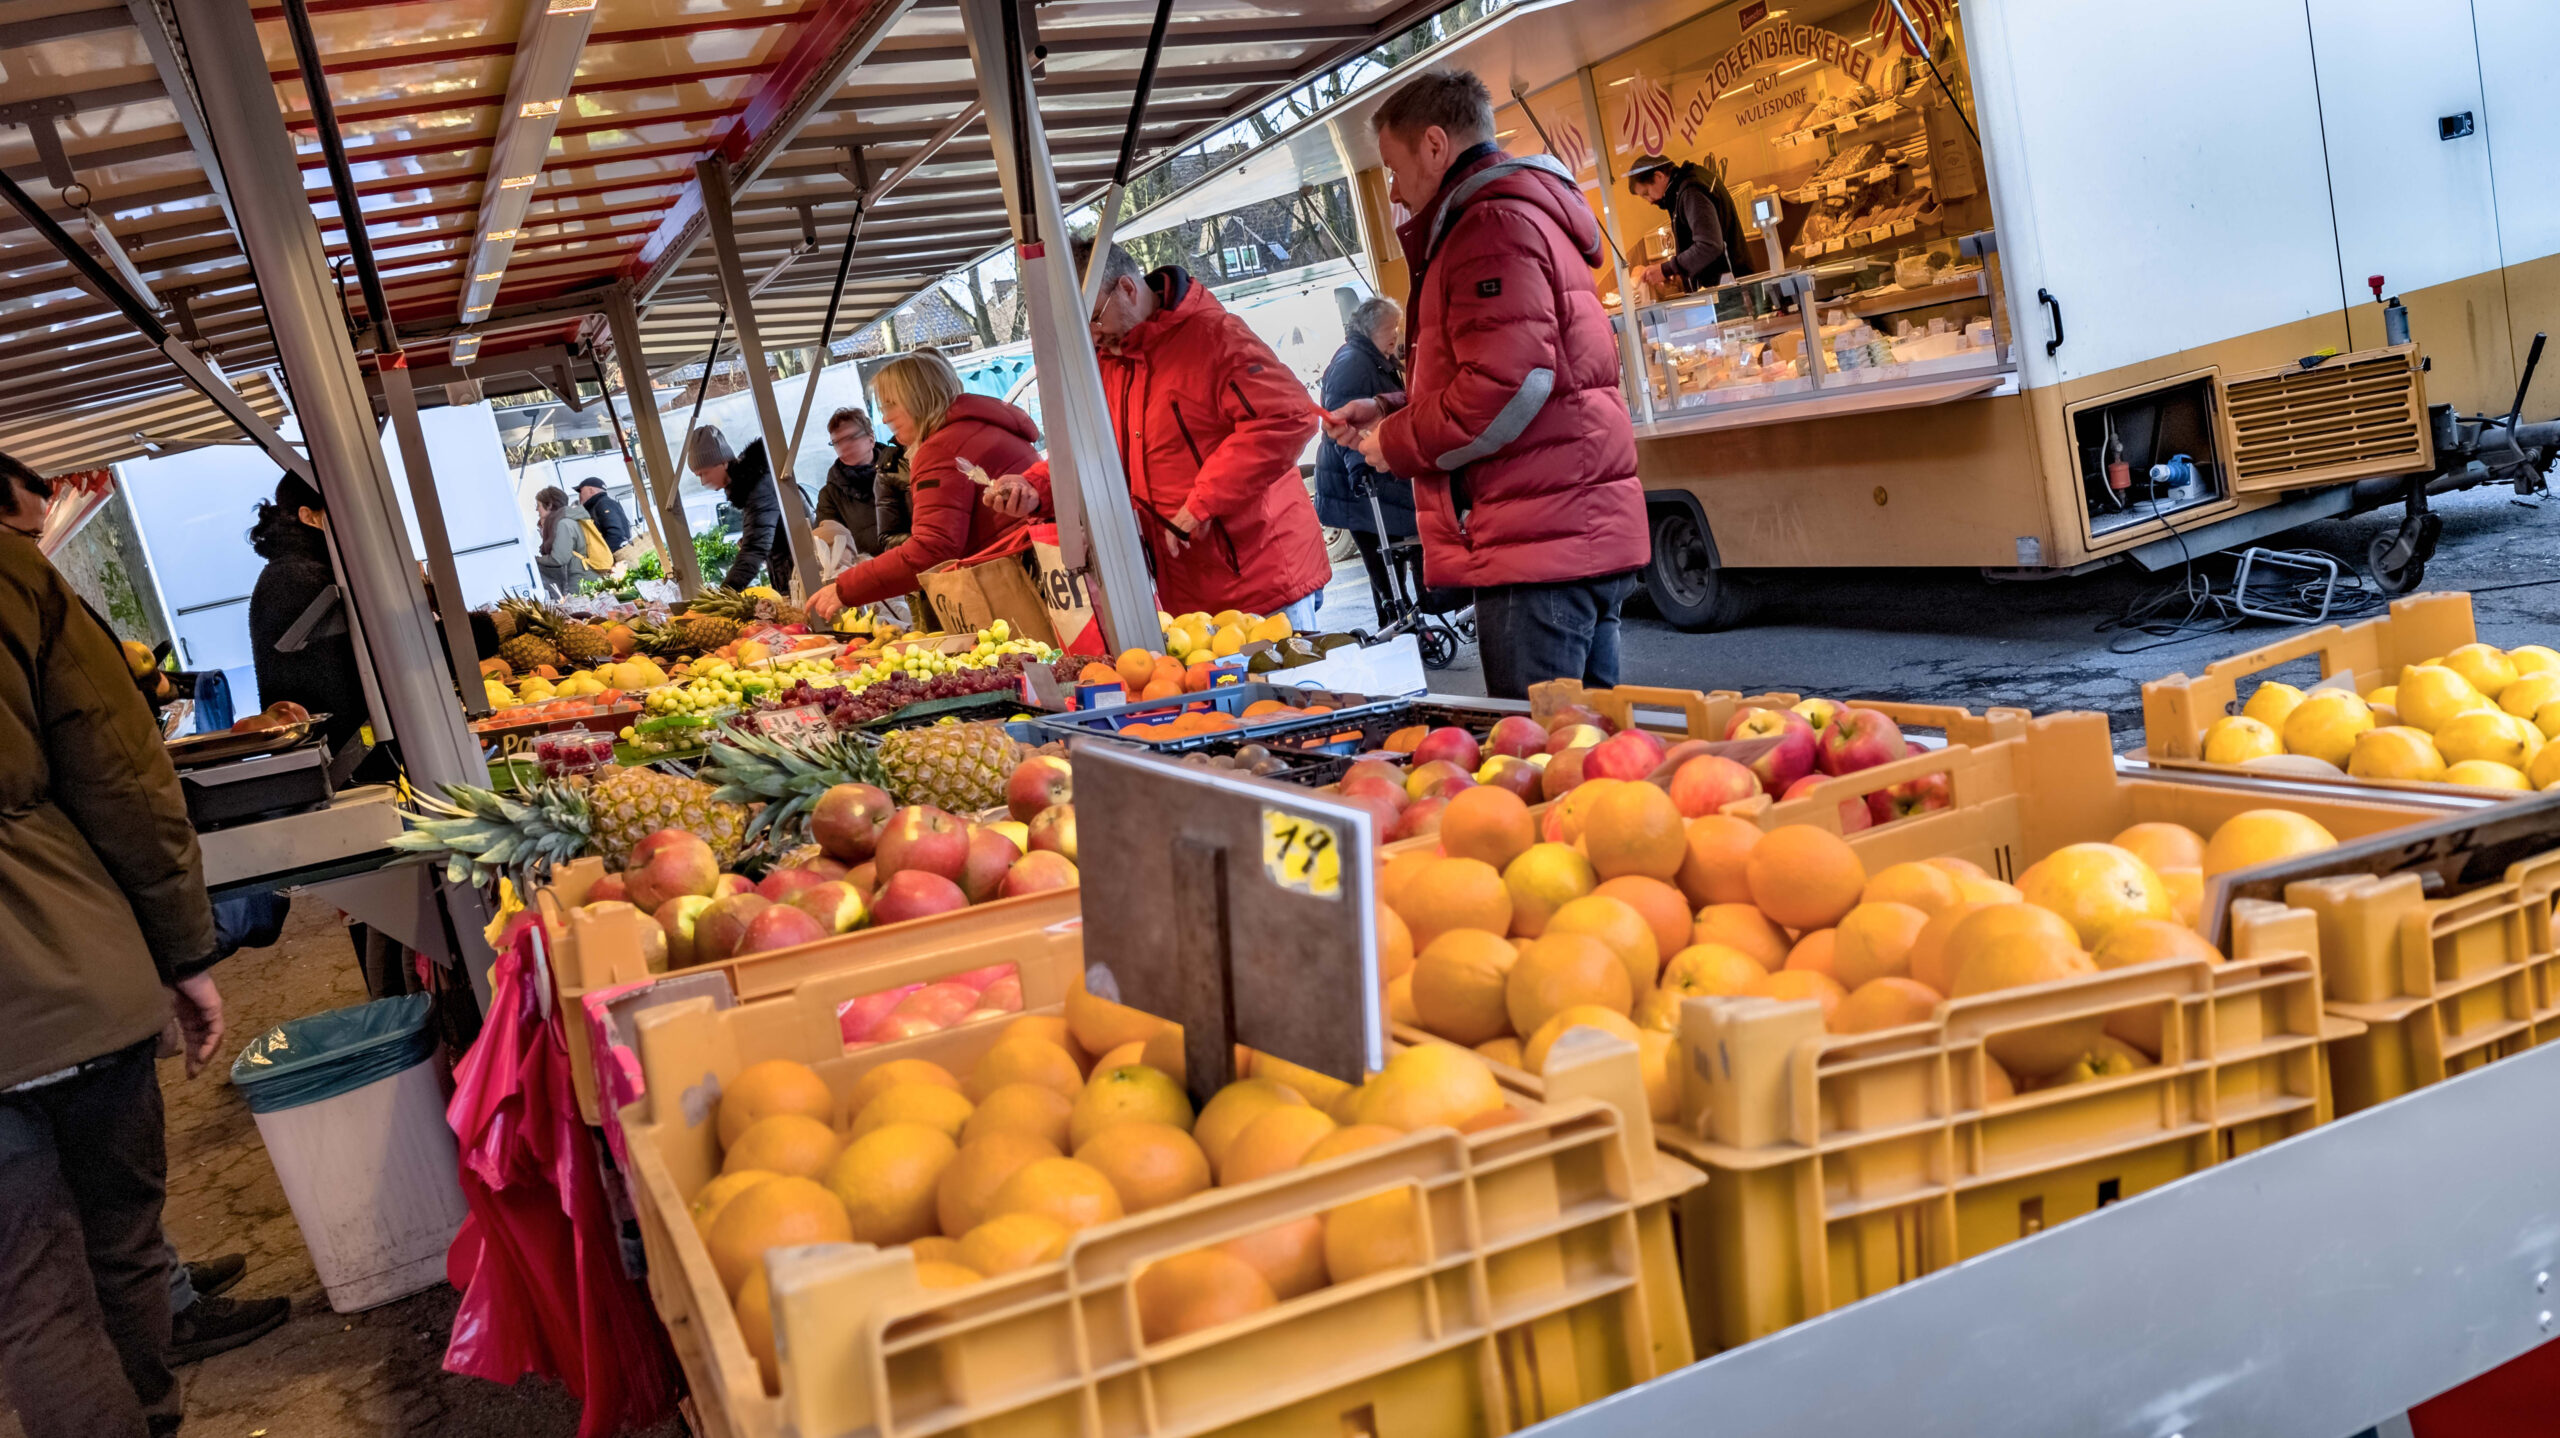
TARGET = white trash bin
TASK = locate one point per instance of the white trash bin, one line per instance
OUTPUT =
(367, 1162)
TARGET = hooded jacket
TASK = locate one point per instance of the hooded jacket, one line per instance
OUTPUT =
(321, 676)
(1514, 431)
(951, 517)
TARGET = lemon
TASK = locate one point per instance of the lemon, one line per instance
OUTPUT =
(2398, 752)
(2485, 665)
(2484, 774)
(2236, 739)
(2272, 704)
(2430, 695)
(2534, 659)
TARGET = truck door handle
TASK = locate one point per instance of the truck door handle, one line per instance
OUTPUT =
(2045, 298)
(2454, 127)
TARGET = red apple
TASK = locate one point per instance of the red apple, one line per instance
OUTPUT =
(1517, 775)
(834, 904)
(1627, 754)
(1420, 817)
(865, 878)
(859, 1019)
(1574, 736)
(607, 889)
(1517, 735)
(1562, 773)
(723, 926)
(1391, 790)
(982, 871)
(824, 867)
(1677, 755)
(1854, 813)
(1036, 784)
(781, 884)
(944, 1003)
(1375, 769)
(1004, 995)
(1923, 795)
(1451, 743)
(652, 843)
(847, 819)
(1435, 777)
(1789, 759)
(1384, 813)
(679, 865)
(1860, 739)
(1037, 872)
(1705, 784)
(1820, 713)
(732, 884)
(1054, 830)
(1569, 714)
(923, 837)
(779, 926)
(677, 917)
(915, 894)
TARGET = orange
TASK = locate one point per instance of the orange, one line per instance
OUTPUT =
(1564, 820)
(1928, 961)
(1997, 1086)
(2010, 946)
(2145, 940)
(966, 1192)
(755, 1325)
(1489, 824)
(1885, 1003)
(1504, 1051)
(1803, 877)
(1925, 887)
(1075, 1194)
(1545, 878)
(922, 1103)
(1986, 891)
(2262, 836)
(934, 1248)
(1350, 1138)
(895, 1072)
(1149, 1164)
(1290, 1257)
(773, 1086)
(1026, 1058)
(1011, 1241)
(1100, 1025)
(1030, 1109)
(787, 1210)
(1397, 869)
(715, 1195)
(2098, 887)
(787, 1143)
(1801, 984)
(1372, 1235)
(1260, 707)
(1132, 1093)
(1405, 740)
(2163, 846)
(1458, 985)
(887, 1181)
(1319, 1090)
(936, 1274)
(1199, 676)
(1136, 668)
(1400, 1008)
(1099, 674)
(1815, 953)
(1275, 1141)
(1623, 928)
(2186, 894)
(1960, 868)
(1874, 942)
(1560, 971)
(1447, 894)
(1201, 1289)
(1231, 1108)
(1052, 1027)
(1636, 829)
(1702, 969)
(1428, 1085)
(1663, 907)
(1395, 945)
(1713, 870)
(1744, 929)
(1533, 1056)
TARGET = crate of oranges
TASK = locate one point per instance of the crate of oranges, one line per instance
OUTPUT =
(1241, 712)
(2031, 969)
(1015, 1226)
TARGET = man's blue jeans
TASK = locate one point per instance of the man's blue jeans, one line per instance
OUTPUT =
(1530, 633)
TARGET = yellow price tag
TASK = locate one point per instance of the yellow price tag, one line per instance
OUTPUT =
(1302, 853)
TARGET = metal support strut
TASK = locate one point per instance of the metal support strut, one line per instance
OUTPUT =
(714, 174)
(622, 319)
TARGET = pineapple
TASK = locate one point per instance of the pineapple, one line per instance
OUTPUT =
(478, 833)
(585, 645)
(959, 767)
(702, 633)
(528, 652)
(631, 804)
(788, 779)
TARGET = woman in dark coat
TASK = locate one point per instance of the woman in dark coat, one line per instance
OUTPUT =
(320, 672)
(1365, 368)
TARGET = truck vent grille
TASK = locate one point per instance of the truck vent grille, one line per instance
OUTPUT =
(2357, 415)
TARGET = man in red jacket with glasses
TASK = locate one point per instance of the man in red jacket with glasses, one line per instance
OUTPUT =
(1513, 427)
(1210, 425)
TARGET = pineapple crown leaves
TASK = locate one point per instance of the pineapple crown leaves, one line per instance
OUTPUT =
(479, 834)
(786, 778)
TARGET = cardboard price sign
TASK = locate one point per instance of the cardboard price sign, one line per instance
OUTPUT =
(1242, 909)
(803, 725)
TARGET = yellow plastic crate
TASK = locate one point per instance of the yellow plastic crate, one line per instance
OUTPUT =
(595, 955)
(1554, 1277)
(2177, 710)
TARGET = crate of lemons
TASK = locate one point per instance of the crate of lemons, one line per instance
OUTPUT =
(1199, 638)
(2477, 716)
(1608, 908)
(1067, 1122)
(627, 676)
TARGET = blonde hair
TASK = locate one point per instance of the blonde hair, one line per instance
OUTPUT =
(923, 384)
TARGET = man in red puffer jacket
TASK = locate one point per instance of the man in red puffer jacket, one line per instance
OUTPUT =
(1513, 427)
(1210, 426)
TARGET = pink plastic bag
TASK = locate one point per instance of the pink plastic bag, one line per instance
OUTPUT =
(538, 1263)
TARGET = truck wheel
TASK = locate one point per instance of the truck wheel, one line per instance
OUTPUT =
(1684, 582)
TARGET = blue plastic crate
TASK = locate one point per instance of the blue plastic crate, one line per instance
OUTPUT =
(1228, 698)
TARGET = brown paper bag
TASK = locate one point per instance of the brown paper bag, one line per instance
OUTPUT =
(968, 597)
(1068, 595)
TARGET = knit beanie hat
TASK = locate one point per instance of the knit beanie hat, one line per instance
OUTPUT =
(707, 447)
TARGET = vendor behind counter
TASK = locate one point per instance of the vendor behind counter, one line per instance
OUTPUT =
(298, 618)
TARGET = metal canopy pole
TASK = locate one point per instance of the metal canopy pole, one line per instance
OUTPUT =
(622, 318)
(714, 175)
(1097, 531)
(630, 461)
(1109, 211)
(282, 241)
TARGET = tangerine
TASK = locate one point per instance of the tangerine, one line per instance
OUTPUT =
(1231, 1108)
(1458, 985)
(755, 1325)
(1874, 940)
(934, 1273)
(887, 1181)
(1033, 1110)
(2146, 940)
(1149, 1164)
(1533, 1056)
(1026, 1058)
(1395, 944)
(1884, 1003)
(1075, 1194)
(1447, 894)
(1428, 1085)
(1350, 1138)
(2097, 887)
(769, 1087)
(1925, 887)
(1662, 907)
(1815, 953)
(1397, 870)
(1803, 877)
(1560, 971)
(1927, 960)
(786, 1143)
(1289, 1256)
(1130, 1093)
(1011, 1241)
(1204, 1288)
(897, 1071)
(1372, 1235)
(1714, 868)
(1566, 817)
(716, 1194)
(1489, 824)
(2009, 946)
(1545, 878)
(1619, 925)
(1744, 929)
(1504, 1051)
(1802, 984)
(1635, 829)
(966, 1192)
(923, 1103)
(1275, 1141)
(2163, 845)
(785, 1210)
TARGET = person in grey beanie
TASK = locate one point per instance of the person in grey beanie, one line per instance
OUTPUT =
(748, 479)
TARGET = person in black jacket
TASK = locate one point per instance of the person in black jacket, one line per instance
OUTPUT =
(1365, 368)
(316, 668)
(606, 511)
(1701, 252)
(747, 479)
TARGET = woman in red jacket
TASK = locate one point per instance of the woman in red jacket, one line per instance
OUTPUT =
(941, 425)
